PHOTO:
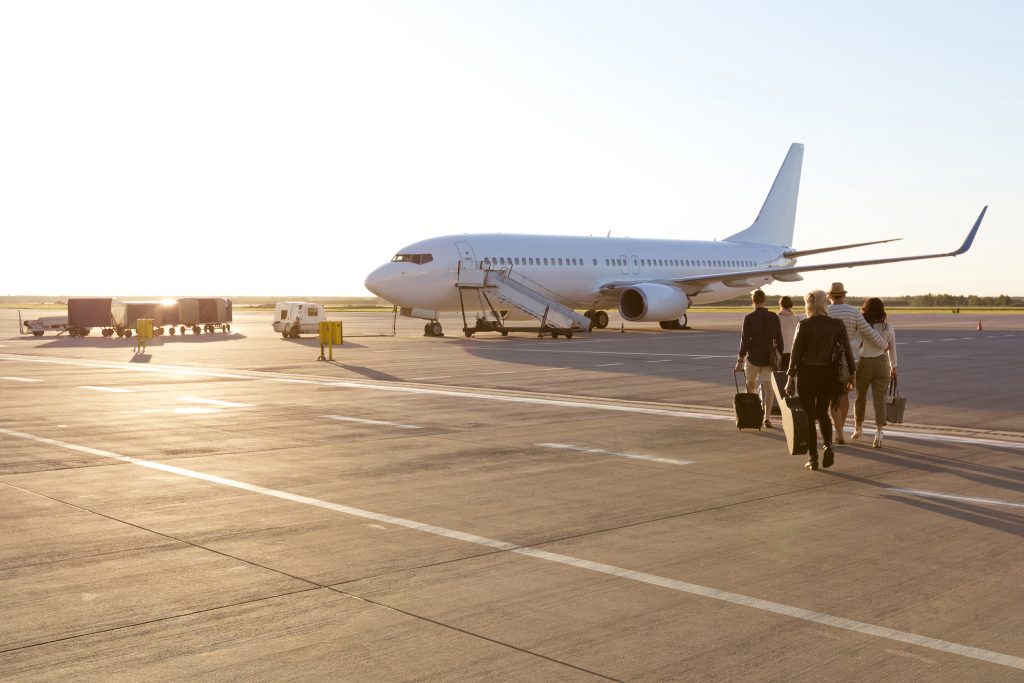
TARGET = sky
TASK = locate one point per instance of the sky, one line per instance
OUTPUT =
(261, 148)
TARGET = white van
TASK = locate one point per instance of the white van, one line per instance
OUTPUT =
(292, 318)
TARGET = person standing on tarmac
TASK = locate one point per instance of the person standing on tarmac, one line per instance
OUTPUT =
(788, 319)
(760, 329)
(856, 327)
(811, 365)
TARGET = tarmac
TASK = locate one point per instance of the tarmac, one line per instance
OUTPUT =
(498, 508)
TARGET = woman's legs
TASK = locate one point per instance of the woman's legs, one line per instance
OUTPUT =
(815, 386)
(879, 386)
(864, 370)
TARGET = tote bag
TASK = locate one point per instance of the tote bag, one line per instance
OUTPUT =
(894, 403)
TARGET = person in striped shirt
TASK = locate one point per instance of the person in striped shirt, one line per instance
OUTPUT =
(856, 327)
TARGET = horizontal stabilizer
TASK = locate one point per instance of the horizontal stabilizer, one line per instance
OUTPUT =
(796, 253)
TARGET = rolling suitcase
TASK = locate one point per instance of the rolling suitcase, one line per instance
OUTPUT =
(749, 411)
(794, 417)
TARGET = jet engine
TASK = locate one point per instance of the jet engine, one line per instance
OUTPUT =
(651, 302)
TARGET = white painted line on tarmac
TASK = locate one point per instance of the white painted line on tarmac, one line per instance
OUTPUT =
(112, 390)
(601, 451)
(949, 340)
(924, 341)
(605, 353)
(949, 496)
(949, 438)
(21, 379)
(343, 418)
(425, 379)
(214, 402)
(608, 365)
(663, 360)
(567, 560)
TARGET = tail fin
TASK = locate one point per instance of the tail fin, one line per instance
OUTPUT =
(774, 224)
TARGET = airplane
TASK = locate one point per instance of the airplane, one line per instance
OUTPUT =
(647, 280)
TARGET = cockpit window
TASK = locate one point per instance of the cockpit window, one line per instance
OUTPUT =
(418, 259)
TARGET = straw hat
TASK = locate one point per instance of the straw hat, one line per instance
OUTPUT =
(837, 289)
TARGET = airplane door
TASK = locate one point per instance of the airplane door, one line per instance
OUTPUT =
(466, 255)
(625, 264)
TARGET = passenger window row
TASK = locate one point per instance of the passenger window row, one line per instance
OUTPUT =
(619, 262)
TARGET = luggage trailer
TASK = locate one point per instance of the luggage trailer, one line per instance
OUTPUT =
(121, 317)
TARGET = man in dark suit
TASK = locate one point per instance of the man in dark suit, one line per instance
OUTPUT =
(761, 329)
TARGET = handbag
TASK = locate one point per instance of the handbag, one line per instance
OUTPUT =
(894, 403)
(840, 367)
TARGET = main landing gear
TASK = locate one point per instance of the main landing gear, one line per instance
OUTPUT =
(433, 329)
(600, 318)
(674, 324)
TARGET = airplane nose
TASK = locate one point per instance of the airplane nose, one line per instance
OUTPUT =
(382, 281)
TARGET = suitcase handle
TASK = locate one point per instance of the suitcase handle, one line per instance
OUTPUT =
(737, 384)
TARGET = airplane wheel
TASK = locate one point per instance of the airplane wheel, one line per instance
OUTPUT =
(504, 333)
(182, 329)
(568, 335)
(436, 330)
(127, 333)
(426, 329)
(172, 330)
(601, 320)
(37, 334)
(554, 335)
(469, 333)
(285, 334)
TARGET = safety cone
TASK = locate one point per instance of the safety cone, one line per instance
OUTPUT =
(980, 328)
(622, 327)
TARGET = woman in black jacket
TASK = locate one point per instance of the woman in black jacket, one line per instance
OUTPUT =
(812, 363)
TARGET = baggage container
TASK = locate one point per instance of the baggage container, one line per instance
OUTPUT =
(87, 313)
(204, 314)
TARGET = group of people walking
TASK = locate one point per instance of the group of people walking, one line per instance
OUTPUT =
(826, 354)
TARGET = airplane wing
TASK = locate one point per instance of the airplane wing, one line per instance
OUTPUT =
(794, 253)
(739, 278)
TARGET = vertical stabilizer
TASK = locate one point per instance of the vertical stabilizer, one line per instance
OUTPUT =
(774, 224)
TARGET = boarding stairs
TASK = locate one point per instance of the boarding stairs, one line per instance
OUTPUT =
(498, 286)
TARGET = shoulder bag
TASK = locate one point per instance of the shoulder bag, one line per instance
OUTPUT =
(894, 403)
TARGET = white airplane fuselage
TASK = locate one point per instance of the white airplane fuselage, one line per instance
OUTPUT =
(574, 269)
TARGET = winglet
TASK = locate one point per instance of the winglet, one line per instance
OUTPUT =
(970, 236)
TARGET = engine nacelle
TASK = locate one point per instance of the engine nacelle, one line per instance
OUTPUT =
(651, 302)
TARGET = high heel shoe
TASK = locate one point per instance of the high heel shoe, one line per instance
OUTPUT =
(857, 432)
(828, 456)
(877, 443)
(812, 462)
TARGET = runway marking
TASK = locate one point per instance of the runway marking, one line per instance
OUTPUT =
(608, 365)
(974, 441)
(21, 379)
(471, 394)
(601, 451)
(606, 353)
(112, 390)
(342, 418)
(423, 379)
(949, 340)
(214, 402)
(924, 341)
(663, 360)
(566, 560)
(949, 496)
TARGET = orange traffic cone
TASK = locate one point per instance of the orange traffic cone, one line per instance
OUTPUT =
(622, 327)
(980, 328)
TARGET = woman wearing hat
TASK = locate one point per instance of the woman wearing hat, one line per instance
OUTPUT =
(811, 365)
